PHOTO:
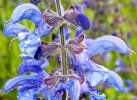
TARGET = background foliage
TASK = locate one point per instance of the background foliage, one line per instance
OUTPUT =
(108, 17)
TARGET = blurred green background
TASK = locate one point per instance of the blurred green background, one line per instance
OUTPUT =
(108, 17)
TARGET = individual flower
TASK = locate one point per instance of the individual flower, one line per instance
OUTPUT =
(29, 40)
(97, 74)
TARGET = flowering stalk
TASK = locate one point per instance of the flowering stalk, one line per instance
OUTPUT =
(71, 84)
(63, 50)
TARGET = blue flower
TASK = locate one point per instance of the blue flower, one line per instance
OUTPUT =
(30, 41)
(97, 74)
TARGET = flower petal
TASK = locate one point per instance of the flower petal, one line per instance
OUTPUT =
(88, 42)
(78, 31)
(30, 45)
(115, 80)
(78, 8)
(27, 93)
(96, 78)
(97, 74)
(83, 21)
(23, 80)
(67, 33)
(14, 29)
(73, 87)
(35, 2)
(106, 43)
(75, 65)
(27, 11)
(97, 96)
(30, 61)
(48, 92)
(23, 69)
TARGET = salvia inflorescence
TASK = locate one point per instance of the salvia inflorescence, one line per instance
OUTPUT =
(63, 81)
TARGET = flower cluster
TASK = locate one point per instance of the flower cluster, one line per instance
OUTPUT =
(85, 74)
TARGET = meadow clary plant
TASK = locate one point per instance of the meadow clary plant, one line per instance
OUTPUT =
(62, 82)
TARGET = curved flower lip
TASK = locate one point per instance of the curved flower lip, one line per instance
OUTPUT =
(30, 61)
(104, 75)
(23, 69)
(115, 80)
(23, 80)
(97, 96)
(78, 31)
(27, 11)
(14, 29)
(106, 43)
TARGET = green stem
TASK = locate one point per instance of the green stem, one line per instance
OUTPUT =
(58, 7)
(63, 51)
(63, 46)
